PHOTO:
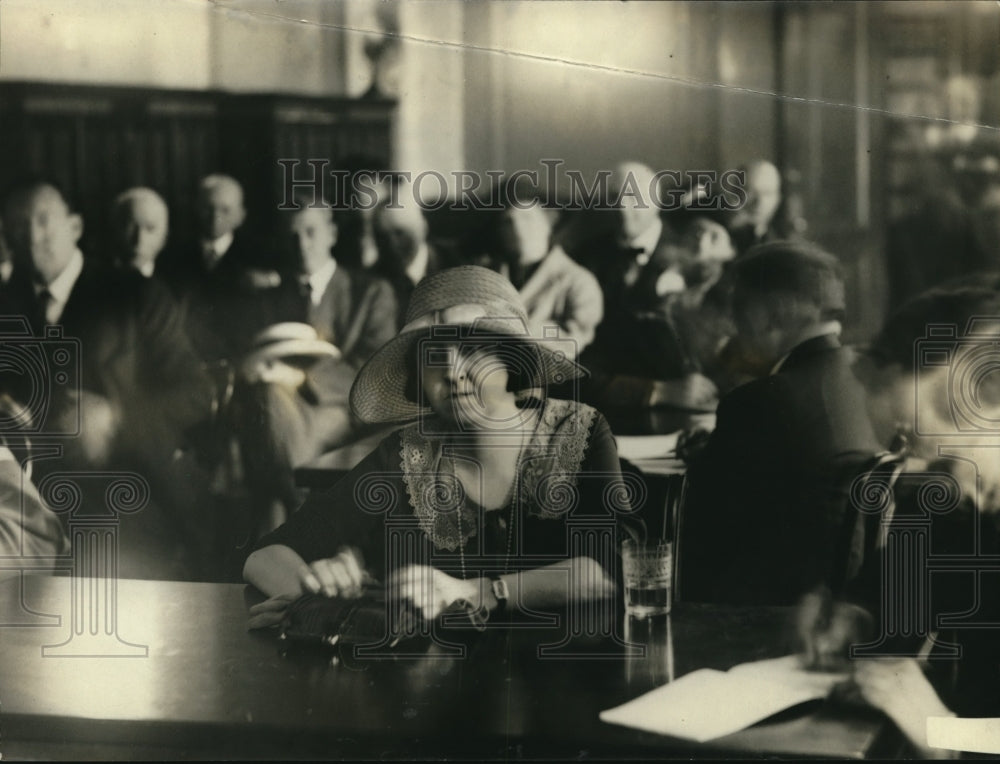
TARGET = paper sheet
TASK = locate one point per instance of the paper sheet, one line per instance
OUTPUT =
(707, 704)
(634, 447)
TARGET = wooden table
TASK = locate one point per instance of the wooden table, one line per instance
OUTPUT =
(198, 685)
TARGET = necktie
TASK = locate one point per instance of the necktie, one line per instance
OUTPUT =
(47, 306)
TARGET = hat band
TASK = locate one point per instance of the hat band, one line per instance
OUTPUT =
(466, 313)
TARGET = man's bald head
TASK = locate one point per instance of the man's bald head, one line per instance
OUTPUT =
(220, 205)
(141, 220)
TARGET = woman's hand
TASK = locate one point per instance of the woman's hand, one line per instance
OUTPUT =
(430, 591)
(270, 612)
(339, 576)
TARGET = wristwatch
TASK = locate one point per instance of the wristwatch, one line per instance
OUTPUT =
(500, 591)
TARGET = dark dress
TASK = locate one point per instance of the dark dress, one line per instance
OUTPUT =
(569, 472)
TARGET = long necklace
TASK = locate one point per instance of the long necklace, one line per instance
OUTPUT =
(512, 503)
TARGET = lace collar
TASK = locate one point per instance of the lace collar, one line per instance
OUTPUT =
(547, 475)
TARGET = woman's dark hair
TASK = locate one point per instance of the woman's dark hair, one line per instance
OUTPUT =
(521, 359)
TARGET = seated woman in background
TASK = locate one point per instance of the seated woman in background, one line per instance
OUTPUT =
(488, 471)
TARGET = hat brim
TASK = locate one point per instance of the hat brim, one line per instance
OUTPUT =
(378, 395)
(310, 350)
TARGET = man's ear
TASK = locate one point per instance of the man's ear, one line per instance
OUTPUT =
(334, 233)
(76, 226)
(241, 216)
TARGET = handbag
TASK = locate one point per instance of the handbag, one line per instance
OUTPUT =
(314, 619)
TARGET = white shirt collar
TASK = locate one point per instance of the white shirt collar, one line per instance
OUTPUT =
(647, 241)
(319, 280)
(60, 288)
(820, 330)
(417, 268)
(213, 250)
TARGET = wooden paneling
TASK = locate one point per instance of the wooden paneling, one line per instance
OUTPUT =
(97, 142)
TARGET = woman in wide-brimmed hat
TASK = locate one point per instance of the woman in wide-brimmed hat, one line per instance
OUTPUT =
(484, 475)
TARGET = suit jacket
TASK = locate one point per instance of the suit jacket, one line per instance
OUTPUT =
(637, 342)
(564, 293)
(133, 349)
(767, 496)
(357, 313)
(437, 260)
(217, 304)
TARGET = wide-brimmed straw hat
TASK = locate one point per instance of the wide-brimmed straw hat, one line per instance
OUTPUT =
(463, 303)
(287, 341)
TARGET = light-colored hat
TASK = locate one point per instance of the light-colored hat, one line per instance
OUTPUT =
(288, 340)
(467, 296)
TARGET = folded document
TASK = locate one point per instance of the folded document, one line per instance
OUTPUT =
(707, 704)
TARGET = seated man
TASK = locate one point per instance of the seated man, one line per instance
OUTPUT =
(760, 219)
(405, 256)
(302, 412)
(769, 490)
(140, 222)
(212, 276)
(639, 357)
(141, 387)
(556, 290)
(941, 490)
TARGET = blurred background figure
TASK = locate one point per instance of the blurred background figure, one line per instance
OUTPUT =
(140, 224)
(954, 229)
(767, 214)
(639, 356)
(292, 404)
(518, 242)
(213, 273)
(405, 256)
(141, 388)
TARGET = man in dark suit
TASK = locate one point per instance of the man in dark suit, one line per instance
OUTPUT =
(768, 493)
(213, 275)
(140, 224)
(141, 385)
(638, 356)
(295, 412)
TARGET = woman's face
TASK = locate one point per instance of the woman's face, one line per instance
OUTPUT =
(465, 383)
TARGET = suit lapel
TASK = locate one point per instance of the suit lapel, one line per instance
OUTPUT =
(336, 305)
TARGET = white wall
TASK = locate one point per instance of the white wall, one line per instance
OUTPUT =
(120, 42)
(242, 45)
